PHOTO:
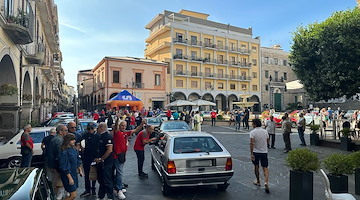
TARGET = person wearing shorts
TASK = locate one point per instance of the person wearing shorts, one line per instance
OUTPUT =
(259, 141)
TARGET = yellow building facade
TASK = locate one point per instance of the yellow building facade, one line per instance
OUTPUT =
(207, 60)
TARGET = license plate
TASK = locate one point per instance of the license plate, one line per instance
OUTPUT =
(201, 163)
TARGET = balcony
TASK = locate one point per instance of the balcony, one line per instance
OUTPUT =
(209, 45)
(180, 57)
(35, 53)
(245, 51)
(245, 78)
(139, 85)
(195, 74)
(222, 62)
(196, 59)
(209, 75)
(180, 73)
(49, 22)
(221, 47)
(180, 41)
(244, 65)
(19, 25)
(233, 77)
(222, 76)
(209, 60)
(195, 43)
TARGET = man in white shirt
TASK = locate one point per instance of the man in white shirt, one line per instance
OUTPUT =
(270, 128)
(259, 140)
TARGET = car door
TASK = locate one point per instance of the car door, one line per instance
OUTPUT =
(37, 137)
(158, 152)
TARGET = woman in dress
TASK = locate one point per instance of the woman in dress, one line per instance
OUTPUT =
(69, 163)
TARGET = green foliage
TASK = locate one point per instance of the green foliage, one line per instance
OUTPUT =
(34, 123)
(303, 160)
(345, 132)
(325, 56)
(355, 158)
(220, 117)
(292, 106)
(27, 97)
(8, 89)
(339, 164)
(314, 128)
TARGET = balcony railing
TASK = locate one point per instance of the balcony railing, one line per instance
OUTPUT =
(195, 58)
(35, 53)
(209, 45)
(244, 51)
(209, 75)
(180, 73)
(221, 47)
(209, 60)
(222, 62)
(180, 40)
(180, 56)
(195, 73)
(244, 65)
(139, 85)
(19, 24)
(222, 76)
(196, 43)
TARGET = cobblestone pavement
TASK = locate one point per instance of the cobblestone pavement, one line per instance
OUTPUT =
(241, 187)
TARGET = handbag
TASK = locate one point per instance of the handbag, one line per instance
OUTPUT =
(122, 157)
(93, 173)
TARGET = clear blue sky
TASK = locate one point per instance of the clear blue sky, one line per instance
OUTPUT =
(93, 29)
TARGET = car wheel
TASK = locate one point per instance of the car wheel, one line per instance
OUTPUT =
(166, 189)
(152, 164)
(14, 162)
(223, 187)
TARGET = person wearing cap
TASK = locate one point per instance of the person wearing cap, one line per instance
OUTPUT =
(89, 153)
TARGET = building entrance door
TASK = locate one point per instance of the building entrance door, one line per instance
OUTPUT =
(277, 98)
(158, 104)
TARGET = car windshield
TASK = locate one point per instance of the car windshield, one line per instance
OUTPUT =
(154, 121)
(175, 126)
(195, 144)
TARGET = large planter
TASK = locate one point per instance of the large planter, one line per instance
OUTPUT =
(338, 183)
(345, 143)
(314, 139)
(357, 181)
(301, 185)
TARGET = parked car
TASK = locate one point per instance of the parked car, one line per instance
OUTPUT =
(10, 156)
(172, 126)
(82, 125)
(349, 114)
(154, 121)
(191, 159)
(163, 116)
(56, 121)
(66, 115)
(25, 184)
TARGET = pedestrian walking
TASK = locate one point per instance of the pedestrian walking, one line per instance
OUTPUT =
(286, 130)
(89, 153)
(213, 115)
(120, 149)
(246, 118)
(259, 141)
(238, 117)
(27, 146)
(105, 162)
(168, 114)
(197, 121)
(70, 166)
(301, 129)
(53, 161)
(141, 140)
(270, 128)
(45, 145)
(187, 118)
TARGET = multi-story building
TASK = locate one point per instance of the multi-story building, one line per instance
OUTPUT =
(67, 101)
(276, 73)
(207, 60)
(30, 63)
(85, 85)
(144, 78)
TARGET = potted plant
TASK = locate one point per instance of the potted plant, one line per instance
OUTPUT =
(27, 97)
(314, 136)
(355, 158)
(338, 165)
(345, 140)
(303, 163)
(8, 90)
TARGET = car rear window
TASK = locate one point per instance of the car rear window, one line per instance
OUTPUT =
(175, 126)
(196, 144)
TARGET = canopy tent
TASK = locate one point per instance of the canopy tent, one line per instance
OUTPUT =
(125, 99)
(179, 103)
(293, 85)
(200, 102)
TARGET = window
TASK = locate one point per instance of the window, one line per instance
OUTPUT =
(285, 62)
(157, 79)
(243, 87)
(179, 83)
(179, 37)
(243, 73)
(285, 76)
(220, 44)
(207, 85)
(220, 85)
(232, 46)
(266, 60)
(193, 55)
(276, 61)
(116, 77)
(296, 99)
(254, 75)
(220, 73)
(193, 70)
(37, 136)
(244, 61)
(179, 68)
(254, 87)
(266, 87)
(193, 40)
(276, 76)
(232, 86)
(194, 84)
(179, 52)
(207, 41)
(102, 77)
(254, 49)
(243, 46)
(232, 74)
(232, 60)
(254, 62)
(207, 55)
(266, 74)
(221, 58)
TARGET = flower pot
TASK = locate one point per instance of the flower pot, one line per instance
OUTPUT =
(314, 139)
(357, 181)
(301, 185)
(345, 143)
(338, 183)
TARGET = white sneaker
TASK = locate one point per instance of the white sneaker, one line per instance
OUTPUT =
(121, 195)
(123, 190)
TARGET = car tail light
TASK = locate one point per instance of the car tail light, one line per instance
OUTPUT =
(171, 168)
(228, 165)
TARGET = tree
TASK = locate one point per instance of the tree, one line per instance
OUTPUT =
(326, 56)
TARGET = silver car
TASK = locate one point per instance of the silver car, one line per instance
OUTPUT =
(173, 126)
(191, 159)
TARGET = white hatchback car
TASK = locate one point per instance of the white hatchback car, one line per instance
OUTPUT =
(10, 156)
(191, 159)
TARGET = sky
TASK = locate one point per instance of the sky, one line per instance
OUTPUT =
(93, 29)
